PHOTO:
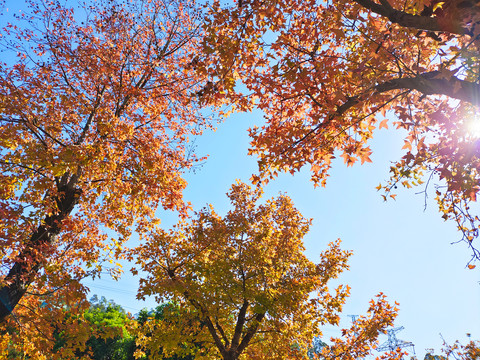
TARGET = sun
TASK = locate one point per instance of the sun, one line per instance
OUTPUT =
(473, 127)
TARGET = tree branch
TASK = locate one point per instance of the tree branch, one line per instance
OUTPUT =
(435, 83)
(222, 333)
(408, 20)
(431, 83)
(210, 326)
(252, 330)
(239, 325)
(91, 116)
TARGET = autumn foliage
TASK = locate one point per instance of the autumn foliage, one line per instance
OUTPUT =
(329, 74)
(97, 104)
(458, 351)
(243, 287)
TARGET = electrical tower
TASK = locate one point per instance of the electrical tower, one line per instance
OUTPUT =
(353, 317)
(393, 343)
(354, 320)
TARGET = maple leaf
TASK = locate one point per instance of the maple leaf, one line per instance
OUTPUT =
(95, 115)
(234, 274)
(243, 284)
(363, 59)
(383, 124)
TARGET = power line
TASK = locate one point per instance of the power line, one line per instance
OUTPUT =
(112, 289)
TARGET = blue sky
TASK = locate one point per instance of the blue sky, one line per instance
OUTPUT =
(399, 248)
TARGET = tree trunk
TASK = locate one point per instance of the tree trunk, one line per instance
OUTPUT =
(25, 269)
(230, 355)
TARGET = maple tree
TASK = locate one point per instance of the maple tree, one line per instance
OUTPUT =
(328, 74)
(97, 104)
(243, 288)
(457, 351)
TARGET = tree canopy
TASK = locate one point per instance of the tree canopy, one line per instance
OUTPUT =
(243, 286)
(111, 336)
(329, 74)
(97, 105)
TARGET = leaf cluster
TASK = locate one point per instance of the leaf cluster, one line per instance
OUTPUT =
(243, 286)
(329, 75)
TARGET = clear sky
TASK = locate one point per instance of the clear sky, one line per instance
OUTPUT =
(399, 248)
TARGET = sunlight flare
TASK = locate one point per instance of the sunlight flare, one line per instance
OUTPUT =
(473, 127)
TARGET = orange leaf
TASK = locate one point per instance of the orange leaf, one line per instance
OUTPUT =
(383, 124)
(407, 145)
